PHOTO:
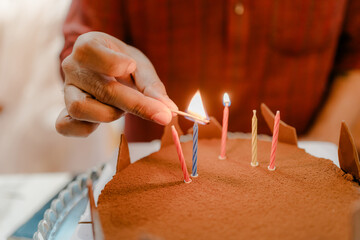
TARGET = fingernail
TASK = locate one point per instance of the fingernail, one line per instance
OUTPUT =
(131, 68)
(162, 118)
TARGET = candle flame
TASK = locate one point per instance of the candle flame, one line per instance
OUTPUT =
(196, 107)
(226, 100)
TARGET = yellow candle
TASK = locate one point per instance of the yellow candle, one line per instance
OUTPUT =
(254, 161)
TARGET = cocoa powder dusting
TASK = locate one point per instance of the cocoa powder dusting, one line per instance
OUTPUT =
(304, 198)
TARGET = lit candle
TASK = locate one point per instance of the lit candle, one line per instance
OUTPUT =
(180, 154)
(195, 147)
(274, 143)
(226, 103)
(254, 161)
(196, 108)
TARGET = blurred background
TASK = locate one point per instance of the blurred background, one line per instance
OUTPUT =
(31, 94)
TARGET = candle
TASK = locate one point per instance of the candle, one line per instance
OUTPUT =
(254, 161)
(195, 147)
(196, 108)
(180, 154)
(271, 166)
(195, 112)
(226, 103)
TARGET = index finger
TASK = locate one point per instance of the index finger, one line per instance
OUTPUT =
(109, 91)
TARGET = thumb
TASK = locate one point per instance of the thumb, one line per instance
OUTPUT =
(147, 80)
(157, 90)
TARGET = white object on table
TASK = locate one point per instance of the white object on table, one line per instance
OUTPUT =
(321, 150)
(139, 150)
(22, 195)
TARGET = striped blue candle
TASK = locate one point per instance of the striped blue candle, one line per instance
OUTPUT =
(195, 148)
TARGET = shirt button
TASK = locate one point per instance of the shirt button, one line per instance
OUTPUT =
(239, 9)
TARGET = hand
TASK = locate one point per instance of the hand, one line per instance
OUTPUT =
(99, 88)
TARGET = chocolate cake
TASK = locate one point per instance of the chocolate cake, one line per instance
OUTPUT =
(304, 198)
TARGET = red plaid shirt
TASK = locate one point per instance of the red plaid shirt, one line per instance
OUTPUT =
(281, 52)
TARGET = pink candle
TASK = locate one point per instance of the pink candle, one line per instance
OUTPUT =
(271, 166)
(180, 154)
(227, 103)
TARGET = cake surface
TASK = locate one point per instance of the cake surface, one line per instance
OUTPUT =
(304, 198)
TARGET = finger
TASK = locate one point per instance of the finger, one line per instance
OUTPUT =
(107, 90)
(128, 81)
(68, 126)
(157, 90)
(81, 106)
(135, 102)
(97, 52)
(147, 80)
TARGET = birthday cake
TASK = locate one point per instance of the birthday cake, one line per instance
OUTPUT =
(304, 198)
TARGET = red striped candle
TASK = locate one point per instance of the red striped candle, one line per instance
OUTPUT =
(180, 154)
(227, 103)
(274, 143)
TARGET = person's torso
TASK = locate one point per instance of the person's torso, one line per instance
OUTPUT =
(278, 52)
